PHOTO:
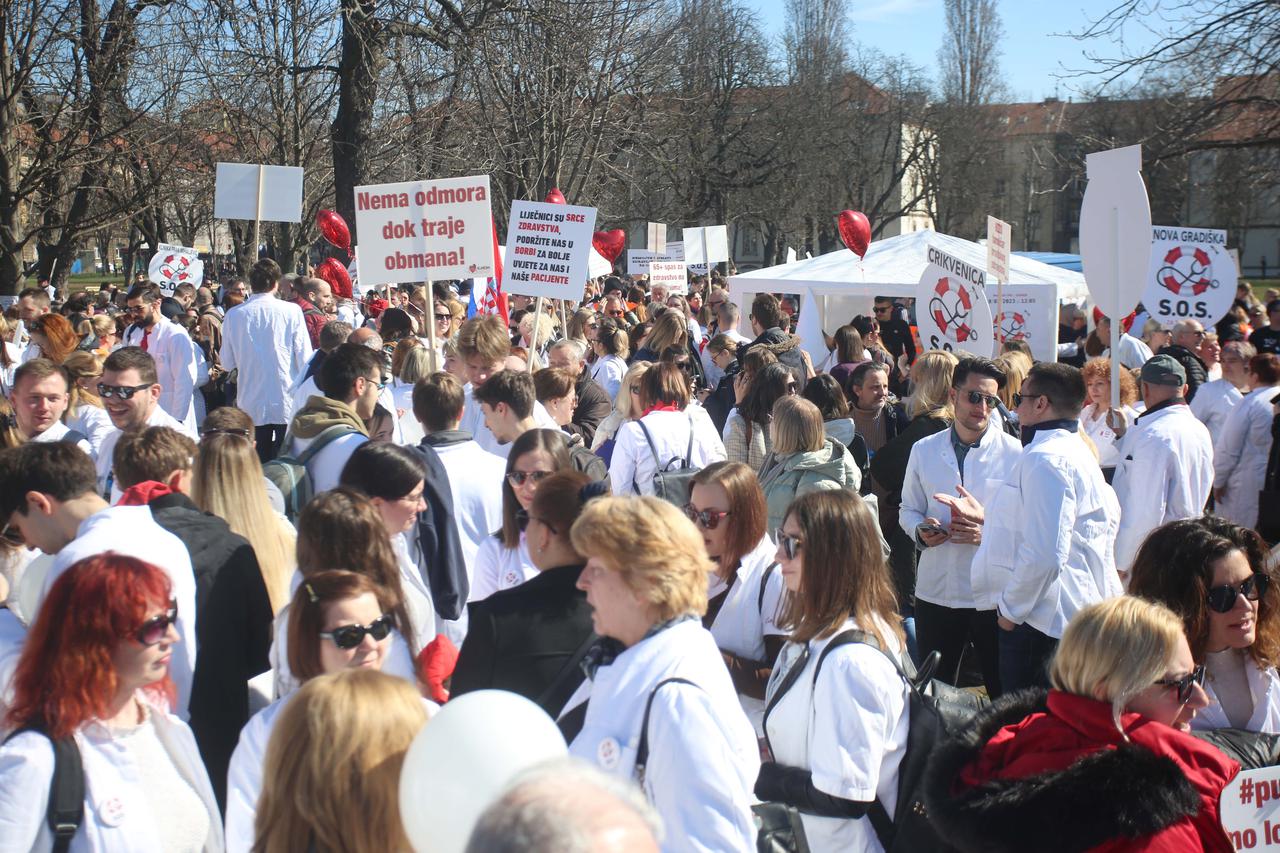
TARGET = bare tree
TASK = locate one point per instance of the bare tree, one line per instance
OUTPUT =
(970, 55)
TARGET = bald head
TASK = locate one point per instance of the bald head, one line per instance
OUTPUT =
(515, 362)
(366, 337)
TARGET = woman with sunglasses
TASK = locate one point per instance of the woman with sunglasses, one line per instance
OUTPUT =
(337, 621)
(1102, 761)
(744, 594)
(503, 560)
(1213, 575)
(95, 669)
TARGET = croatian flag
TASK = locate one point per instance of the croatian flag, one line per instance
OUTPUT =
(493, 301)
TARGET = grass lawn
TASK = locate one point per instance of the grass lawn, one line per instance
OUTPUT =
(1262, 285)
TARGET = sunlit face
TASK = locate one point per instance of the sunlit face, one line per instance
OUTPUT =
(563, 359)
(1210, 351)
(141, 312)
(561, 408)
(322, 298)
(792, 568)
(368, 388)
(531, 462)
(132, 413)
(616, 611)
(1159, 702)
(1238, 627)
(873, 390)
(1099, 392)
(975, 416)
(138, 665)
(479, 370)
(399, 515)
(39, 404)
(370, 653)
(712, 497)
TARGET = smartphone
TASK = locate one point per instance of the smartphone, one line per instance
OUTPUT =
(932, 528)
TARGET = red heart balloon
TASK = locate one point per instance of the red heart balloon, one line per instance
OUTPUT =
(855, 230)
(332, 271)
(334, 229)
(555, 197)
(610, 243)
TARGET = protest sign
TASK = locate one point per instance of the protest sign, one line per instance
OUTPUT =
(638, 260)
(705, 245)
(420, 230)
(668, 274)
(261, 193)
(1028, 312)
(952, 311)
(1250, 809)
(657, 237)
(174, 265)
(598, 265)
(998, 249)
(1191, 275)
(548, 247)
(791, 255)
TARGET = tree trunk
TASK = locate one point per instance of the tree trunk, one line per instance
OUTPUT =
(363, 54)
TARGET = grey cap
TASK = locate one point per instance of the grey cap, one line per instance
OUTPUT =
(1164, 370)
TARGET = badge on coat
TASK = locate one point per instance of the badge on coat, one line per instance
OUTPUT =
(608, 753)
(111, 812)
(511, 579)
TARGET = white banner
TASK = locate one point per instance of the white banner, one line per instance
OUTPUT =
(419, 230)
(657, 237)
(1029, 313)
(998, 233)
(668, 274)
(715, 239)
(638, 260)
(1249, 809)
(1192, 275)
(951, 306)
(236, 186)
(174, 265)
(548, 249)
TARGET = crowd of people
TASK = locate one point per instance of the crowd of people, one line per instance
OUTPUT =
(256, 534)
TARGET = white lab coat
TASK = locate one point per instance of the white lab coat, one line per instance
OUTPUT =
(417, 594)
(58, 431)
(1134, 352)
(93, 423)
(131, 531)
(849, 729)
(750, 612)
(632, 466)
(1240, 456)
(1048, 538)
(1165, 474)
(266, 340)
(175, 356)
(473, 422)
(12, 636)
(475, 481)
(499, 567)
(117, 813)
(943, 574)
(703, 756)
(1264, 686)
(1213, 403)
(1103, 436)
(608, 372)
(107, 486)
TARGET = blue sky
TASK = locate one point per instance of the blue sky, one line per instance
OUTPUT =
(1035, 49)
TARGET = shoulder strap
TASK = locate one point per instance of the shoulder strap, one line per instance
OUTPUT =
(688, 451)
(65, 812)
(323, 440)
(563, 678)
(764, 582)
(653, 450)
(642, 750)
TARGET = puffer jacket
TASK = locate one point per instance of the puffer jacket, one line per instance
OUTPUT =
(1197, 373)
(786, 477)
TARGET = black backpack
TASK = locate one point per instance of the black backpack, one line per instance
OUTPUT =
(672, 481)
(935, 709)
(65, 811)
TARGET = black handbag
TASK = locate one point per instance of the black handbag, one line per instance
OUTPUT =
(779, 829)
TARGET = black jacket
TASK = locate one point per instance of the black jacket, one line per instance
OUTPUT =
(721, 401)
(786, 347)
(593, 406)
(1197, 373)
(233, 629)
(526, 639)
(439, 554)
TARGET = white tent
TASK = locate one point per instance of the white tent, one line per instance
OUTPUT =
(841, 286)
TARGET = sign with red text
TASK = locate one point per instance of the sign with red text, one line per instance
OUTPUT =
(419, 230)
(638, 260)
(174, 265)
(1250, 809)
(998, 249)
(1029, 313)
(1192, 275)
(548, 249)
(670, 275)
(952, 311)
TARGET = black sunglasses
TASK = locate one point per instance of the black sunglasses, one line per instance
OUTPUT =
(446, 317)
(1018, 398)
(1222, 598)
(518, 478)
(1185, 684)
(709, 519)
(789, 544)
(154, 630)
(350, 636)
(124, 392)
(976, 397)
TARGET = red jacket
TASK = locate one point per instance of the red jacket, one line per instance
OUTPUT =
(1053, 773)
(314, 317)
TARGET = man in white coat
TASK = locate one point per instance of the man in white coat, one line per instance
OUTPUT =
(1048, 535)
(1166, 461)
(972, 457)
(171, 347)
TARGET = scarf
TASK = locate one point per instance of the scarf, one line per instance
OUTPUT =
(141, 494)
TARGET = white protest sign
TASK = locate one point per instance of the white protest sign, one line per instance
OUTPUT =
(670, 275)
(262, 193)
(701, 244)
(657, 237)
(791, 255)
(598, 265)
(548, 247)
(174, 265)
(638, 260)
(1029, 313)
(1191, 275)
(1249, 809)
(419, 230)
(1115, 230)
(998, 233)
(951, 306)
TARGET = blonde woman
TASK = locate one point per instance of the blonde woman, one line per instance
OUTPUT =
(108, 334)
(1016, 366)
(228, 482)
(10, 356)
(85, 413)
(1047, 764)
(670, 329)
(803, 459)
(332, 774)
(415, 364)
(626, 407)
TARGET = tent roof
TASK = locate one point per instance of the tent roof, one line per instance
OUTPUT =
(1056, 259)
(893, 267)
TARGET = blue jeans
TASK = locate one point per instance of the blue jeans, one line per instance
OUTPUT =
(1025, 654)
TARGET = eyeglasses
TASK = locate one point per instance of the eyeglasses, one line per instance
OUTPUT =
(350, 636)
(1018, 398)
(124, 392)
(789, 544)
(242, 433)
(444, 318)
(977, 397)
(523, 518)
(379, 385)
(518, 478)
(1185, 684)
(135, 309)
(708, 519)
(1222, 598)
(153, 631)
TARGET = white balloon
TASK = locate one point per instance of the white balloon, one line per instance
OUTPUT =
(464, 758)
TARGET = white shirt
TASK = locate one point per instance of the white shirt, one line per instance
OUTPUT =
(58, 431)
(943, 574)
(1133, 352)
(703, 756)
(849, 729)
(632, 466)
(266, 339)
(499, 567)
(1240, 456)
(417, 595)
(326, 466)
(12, 635)
(6, 373)
(475, 480)
(93, 423)
(131, 531)
(1165, 475)
(608, 373)
(1213, 403)
(1264, 689)
(175, 356)
(106, 453)
(1104, 438)
(473, 422)
(244, 776)
(1048, 538)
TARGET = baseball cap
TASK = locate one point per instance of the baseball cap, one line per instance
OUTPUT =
(1164, 370)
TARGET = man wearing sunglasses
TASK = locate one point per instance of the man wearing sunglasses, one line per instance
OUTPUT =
(976, 455)
(1166, 460)
(172, 349)
(48, 496)
(1048, 532)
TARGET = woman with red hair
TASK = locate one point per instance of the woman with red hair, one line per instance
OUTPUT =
(95, 669)
(55, 336)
